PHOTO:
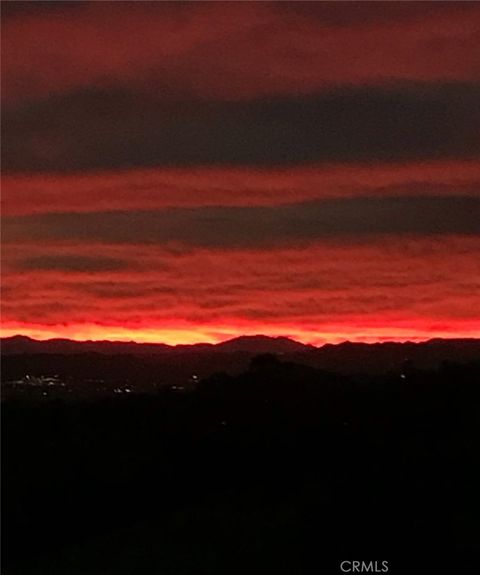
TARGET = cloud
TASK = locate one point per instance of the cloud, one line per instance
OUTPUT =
(400, 287)
(233, 51)
(68, 262)
(196, 187)
(110, 130)
(239, 227)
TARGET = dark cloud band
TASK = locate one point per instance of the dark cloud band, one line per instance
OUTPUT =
(94, 129)
(256, 226)
(75, 263)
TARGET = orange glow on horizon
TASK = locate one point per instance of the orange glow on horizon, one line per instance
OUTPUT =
(184, 335)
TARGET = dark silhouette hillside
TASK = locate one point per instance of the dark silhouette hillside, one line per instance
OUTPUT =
(272, 470)
(147, 366)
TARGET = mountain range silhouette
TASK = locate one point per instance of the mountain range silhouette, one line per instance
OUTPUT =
(234, 354)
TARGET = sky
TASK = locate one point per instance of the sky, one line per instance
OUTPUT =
(187, 172)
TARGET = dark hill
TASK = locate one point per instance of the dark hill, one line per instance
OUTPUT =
(263, 344)
(161, 363)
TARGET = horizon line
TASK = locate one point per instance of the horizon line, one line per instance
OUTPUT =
(367, 341)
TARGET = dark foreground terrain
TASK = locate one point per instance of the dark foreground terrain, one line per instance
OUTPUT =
(282, 469)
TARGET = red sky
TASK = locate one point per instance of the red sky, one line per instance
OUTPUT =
(192, 172)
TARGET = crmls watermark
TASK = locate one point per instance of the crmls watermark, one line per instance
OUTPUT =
(364, 566)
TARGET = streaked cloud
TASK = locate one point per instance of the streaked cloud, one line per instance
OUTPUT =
(68, 262)
(203, 186)
(232, 50)
(395, 287)
(239, 227)
(98, 129)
